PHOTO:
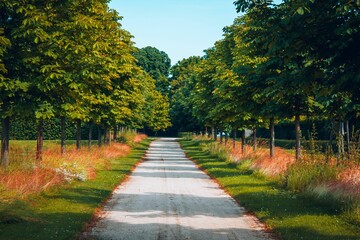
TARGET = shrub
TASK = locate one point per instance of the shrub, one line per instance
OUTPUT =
(129, 137)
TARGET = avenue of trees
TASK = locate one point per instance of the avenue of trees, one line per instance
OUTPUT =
(291, 61)
(71, 60)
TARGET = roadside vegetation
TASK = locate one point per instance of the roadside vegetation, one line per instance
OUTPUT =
(314, 198)
(56, 199)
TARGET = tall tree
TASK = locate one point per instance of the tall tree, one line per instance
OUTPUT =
(157, 63)
(12, 84)
(4, 44)
(183, 82)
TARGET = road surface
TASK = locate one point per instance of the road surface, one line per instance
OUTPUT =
(168, 197)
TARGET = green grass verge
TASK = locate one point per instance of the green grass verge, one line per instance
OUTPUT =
(291, 216)
(62, 212)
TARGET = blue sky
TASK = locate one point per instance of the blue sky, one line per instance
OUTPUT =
(181, 28)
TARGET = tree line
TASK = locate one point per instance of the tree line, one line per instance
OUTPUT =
(73, 61)
(291, 61)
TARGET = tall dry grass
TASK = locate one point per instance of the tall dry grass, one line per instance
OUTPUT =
(318, 174)
(24, 176)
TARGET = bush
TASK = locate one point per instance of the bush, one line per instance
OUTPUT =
(26, 129)
(127, 137)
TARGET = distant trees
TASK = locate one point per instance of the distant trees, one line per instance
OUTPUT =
(294, 60)
(183, 82)
(72, 60)
(156, 63)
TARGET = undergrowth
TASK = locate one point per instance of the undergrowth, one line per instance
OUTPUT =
(24, 176)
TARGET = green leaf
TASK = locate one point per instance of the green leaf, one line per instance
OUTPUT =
(300, 11)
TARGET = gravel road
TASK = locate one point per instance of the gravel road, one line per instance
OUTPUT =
(168, 197)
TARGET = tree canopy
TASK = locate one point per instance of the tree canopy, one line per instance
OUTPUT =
(74, 60)
(290, 61)
(156, 63)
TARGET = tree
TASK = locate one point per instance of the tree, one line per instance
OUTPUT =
(183, 82)
(4, 44)
(76, 62)
(12, 86)
(158, 112)
(245, 5)
(156, 63)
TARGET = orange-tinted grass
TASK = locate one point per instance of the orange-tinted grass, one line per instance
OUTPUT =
(261, 161)
(347, 182)
(139, 137)
(28, 182)
(85, 159)
(53, 168)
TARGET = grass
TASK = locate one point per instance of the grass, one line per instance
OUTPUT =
(23, 176)
(324, 176)
(62, 211)
(290, 215)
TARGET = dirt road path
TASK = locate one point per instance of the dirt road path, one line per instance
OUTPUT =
(168, 197)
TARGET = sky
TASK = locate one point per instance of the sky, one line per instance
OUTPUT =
(181, 28)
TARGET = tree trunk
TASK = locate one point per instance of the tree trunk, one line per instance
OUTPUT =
(226, 139)
(254, 139)
(329, 148)
(272, 137)
(347, 137)
(243, 142)
(234, 138)
(331, 135)
(298, 137)
(78, 134)
(40, 140)
(115, 132)
(221, 136)
(99, 136)
(63, 136)
(90, 135)
(5, 140)
(341, 147)
(105, 136)
(214, 133)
